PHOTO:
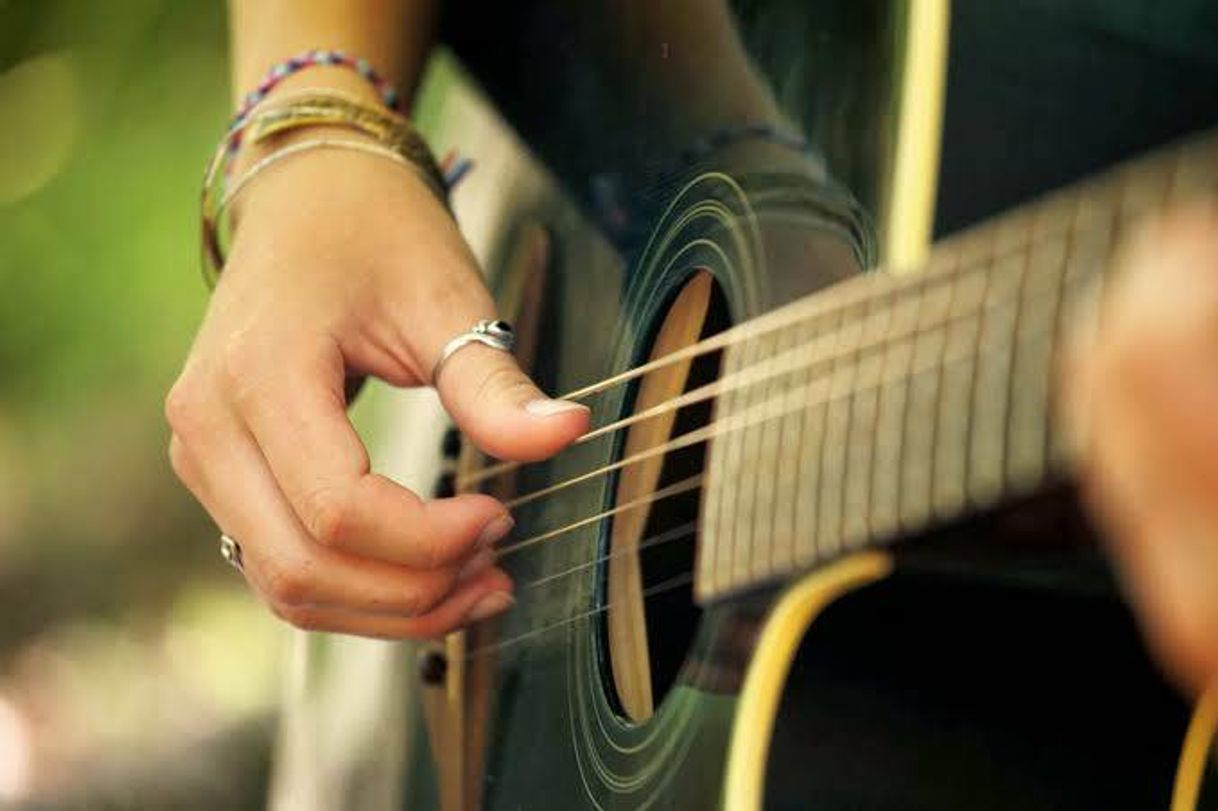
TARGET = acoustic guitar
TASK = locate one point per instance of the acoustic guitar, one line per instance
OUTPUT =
(820, 549)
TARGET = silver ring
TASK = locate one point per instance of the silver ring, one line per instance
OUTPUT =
(230, 550)
(495, 334)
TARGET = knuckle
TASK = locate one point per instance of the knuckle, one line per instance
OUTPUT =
(434, 552)
(415, 605)
(184, 408)
(289, 587)
(306, 619)
(424, 599)
(327, 514)
(410, 602)
(429, 550)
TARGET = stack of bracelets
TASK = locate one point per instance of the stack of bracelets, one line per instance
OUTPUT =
(259, 119)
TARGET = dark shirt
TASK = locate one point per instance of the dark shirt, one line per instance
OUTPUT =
(1043, 92)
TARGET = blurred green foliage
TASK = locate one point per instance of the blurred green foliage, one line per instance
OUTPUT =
(123, 637)
(99, 266)
(99, 279)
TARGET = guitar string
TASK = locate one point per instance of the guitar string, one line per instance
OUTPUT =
(674, 489)
(773, 321)
(671, 583)
(705, 392)
(761, 412)
(941, 268)
(678, 533)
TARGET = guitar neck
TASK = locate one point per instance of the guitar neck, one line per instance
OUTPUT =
(887, 404)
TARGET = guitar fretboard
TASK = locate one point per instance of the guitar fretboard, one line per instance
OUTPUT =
(890, 403)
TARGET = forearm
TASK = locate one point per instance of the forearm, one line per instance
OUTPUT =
(395, 36)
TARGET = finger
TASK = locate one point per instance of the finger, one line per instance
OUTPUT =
(295, 409)
(1154, 455)
(231, 479)
(484, 390)
(500, 409)
(477, 601)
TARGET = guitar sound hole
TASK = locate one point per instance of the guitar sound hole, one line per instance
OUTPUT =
(652, 618)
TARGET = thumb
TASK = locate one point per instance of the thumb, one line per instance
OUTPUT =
(498, 407)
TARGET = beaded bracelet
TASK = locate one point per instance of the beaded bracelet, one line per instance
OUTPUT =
(317, 57)
(314, 58)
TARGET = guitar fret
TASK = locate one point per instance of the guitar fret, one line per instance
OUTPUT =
(956, 386)
(807, 516)
(988, 409)
(860, 454)
(1033, 365)
(836, 432)
(749, 443)
(1095, 235)
(890, 419)
(732, 540)
(1015, 357)
(765, 483)
(786, 528)
(945, 347)
(921, 407)
(715, 552)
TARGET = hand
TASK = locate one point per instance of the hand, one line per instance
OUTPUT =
(345, 265)
(1148, 393)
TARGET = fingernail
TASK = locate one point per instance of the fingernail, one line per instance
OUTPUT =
(476, 565)
(494, 603)
(495, 531)
(548, 408)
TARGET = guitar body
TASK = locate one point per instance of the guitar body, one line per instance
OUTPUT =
(936, 677)
(713, 624)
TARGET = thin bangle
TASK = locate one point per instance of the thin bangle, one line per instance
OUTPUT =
(317, 57)
(307, 146)
(322, 108)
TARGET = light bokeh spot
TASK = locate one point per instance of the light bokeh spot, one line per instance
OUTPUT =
(41, 100)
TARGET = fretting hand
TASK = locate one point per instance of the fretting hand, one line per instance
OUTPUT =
(1148, 393)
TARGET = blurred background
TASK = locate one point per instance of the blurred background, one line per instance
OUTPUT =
(135, 669)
